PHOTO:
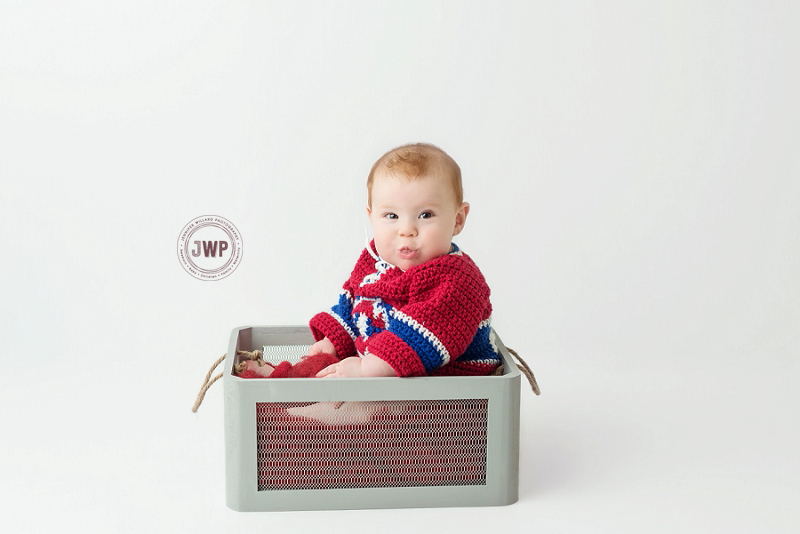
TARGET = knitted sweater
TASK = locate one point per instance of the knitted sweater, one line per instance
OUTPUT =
(432, 319)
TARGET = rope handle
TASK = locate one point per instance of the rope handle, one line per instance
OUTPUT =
(525, 370)
(207, 383)
(254, 355)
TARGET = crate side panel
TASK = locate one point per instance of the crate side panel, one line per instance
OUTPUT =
(373, 444)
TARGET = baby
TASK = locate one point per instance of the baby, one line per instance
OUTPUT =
(415, 304)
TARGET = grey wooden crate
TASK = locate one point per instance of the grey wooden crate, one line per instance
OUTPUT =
(399, 461)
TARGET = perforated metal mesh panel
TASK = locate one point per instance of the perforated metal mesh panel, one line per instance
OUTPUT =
(278, 353)
(371, 444)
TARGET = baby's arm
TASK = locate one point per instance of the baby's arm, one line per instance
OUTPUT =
(324, 345)
(338, 324)
(355, 367)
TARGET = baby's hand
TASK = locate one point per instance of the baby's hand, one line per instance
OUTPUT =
(355, 366)
(324, 345)
(347, 368)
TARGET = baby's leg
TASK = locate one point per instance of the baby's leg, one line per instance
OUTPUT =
(338, 413)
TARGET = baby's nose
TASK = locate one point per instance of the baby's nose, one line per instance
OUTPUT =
(408, 229)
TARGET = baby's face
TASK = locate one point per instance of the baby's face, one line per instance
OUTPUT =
(414, 221)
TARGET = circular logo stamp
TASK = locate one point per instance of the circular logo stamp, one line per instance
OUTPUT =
(210, 247)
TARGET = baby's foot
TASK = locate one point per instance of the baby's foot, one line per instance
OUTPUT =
(261, 370)
(337, 413)
(320, 411)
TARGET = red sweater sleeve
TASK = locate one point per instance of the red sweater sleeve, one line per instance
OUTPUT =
(337, 323)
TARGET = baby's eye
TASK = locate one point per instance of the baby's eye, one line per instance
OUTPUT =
(391, 215)
(426, 215)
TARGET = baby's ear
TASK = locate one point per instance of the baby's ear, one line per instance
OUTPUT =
(369, 211)
(461, 218)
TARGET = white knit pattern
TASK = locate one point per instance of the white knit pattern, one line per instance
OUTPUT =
(427, 334)
(362, 320)
(380, 268)
(362, 323)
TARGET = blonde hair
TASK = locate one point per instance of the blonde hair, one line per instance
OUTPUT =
(416, 161)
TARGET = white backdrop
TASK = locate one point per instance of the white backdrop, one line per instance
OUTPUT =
(634, 175)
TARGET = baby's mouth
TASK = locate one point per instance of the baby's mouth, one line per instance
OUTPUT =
(406, 253)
